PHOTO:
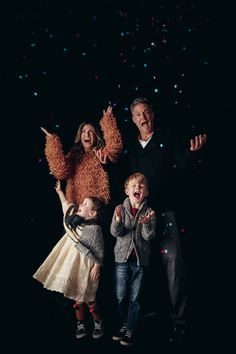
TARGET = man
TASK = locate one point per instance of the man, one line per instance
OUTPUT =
(163, 161)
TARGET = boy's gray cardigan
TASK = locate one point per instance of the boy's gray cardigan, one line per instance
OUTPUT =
(131, 234)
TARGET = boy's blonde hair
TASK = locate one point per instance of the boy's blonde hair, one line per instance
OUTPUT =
(138, 177)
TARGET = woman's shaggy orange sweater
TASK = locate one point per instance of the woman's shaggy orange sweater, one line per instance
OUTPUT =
(85, 176)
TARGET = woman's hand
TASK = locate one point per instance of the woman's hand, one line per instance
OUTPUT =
(45, 131)
(108, 110)
(101, 156)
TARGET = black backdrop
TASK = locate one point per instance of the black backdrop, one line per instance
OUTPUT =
(71, 60)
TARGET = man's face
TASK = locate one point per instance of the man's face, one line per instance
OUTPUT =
(143, 117)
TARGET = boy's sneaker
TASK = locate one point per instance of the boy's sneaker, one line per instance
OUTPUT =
(128, 339)
(80, 330)
(119, 334)
(98, 329)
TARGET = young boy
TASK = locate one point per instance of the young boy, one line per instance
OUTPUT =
(133, 225)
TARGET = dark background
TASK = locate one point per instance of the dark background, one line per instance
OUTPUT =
(63, 63)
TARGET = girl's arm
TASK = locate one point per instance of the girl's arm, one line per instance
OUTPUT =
(61, 195)
(94, 249)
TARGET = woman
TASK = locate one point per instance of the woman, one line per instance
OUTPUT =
(82, 167)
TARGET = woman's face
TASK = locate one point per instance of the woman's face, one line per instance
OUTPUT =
(88, 137)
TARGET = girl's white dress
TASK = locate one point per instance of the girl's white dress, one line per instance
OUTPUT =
(67, 270)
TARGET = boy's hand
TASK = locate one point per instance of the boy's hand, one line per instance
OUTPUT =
(118, 214)
(146, 219)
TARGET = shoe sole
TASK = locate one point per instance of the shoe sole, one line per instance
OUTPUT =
(97, 337)
(117, 338)
(126, 344)
(81, 336)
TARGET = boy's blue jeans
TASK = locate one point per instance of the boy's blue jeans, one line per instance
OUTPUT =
(128, 283)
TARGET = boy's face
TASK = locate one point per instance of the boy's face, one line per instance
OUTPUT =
(86, 209)
(136, 192)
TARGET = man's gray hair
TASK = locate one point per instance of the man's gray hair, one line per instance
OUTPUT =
(142, 100)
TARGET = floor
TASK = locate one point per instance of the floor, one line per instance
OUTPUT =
(45, 323)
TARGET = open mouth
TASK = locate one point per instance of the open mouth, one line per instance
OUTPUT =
(145, 125)
(136, 195)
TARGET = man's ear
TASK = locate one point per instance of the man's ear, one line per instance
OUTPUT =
(133, 119)
(126, 191)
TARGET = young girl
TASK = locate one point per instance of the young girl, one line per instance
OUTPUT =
(133, 225)
(73, 266)
(83, 166)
